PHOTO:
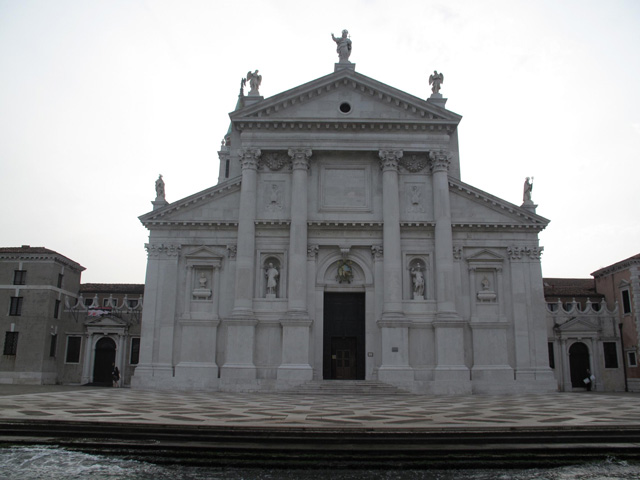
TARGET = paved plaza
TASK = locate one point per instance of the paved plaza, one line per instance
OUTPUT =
(397, 412)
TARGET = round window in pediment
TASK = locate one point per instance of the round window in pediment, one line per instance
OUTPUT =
(345, 107)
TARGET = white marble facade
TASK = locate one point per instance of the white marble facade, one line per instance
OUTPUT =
(340, 242)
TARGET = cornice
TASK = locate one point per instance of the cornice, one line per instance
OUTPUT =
(316, 125)
(617, 267)
(155, 217)
(40, 257)
(537, 221)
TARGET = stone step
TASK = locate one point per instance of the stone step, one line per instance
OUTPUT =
(347, 387)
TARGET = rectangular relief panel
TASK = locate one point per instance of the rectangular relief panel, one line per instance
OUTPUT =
(345, 188)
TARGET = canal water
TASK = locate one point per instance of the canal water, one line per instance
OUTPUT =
(31, 463)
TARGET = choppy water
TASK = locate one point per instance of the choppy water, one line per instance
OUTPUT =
(31, 463)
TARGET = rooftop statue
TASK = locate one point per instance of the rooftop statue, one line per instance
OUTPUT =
(436, 79)
(159, 188)
(344, 46)
(254, 82)
(526, 190)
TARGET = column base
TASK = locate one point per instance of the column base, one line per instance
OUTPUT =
(238, 371)
(395, 374)
(153, 376)
(196, 376)
(295, 373)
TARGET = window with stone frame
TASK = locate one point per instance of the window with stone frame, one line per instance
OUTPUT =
(60, 277)
(15, 309)
(610, 354)
(73, 349)
(552, 358)
(10, 343)
(626, 302)
(632, 360)
(135, 351)
(19, 277)
(53, 346)
(56, 309)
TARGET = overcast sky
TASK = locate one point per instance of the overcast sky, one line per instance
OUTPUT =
(99, 97)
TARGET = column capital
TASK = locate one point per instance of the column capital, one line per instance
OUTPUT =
(249, 158)
(440, 160)
(377, 251)
(312, 251)
(300, 158)
(162, 249)
(389, 159)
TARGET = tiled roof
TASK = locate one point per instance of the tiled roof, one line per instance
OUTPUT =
(570, 287)
(621, 265)
(29, 250)
(127, 288)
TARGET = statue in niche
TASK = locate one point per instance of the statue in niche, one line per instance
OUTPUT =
(254, 82)
(202, 292)
(435, 80)
(272, 279)
(526, 190)
(486, 294)
(274, 199)
(345, 271)
(344, 46)
(159, 188)
(417, 281)
(415, 199)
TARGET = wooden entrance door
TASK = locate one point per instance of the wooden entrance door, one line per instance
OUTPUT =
(343, 336)
(343, 358)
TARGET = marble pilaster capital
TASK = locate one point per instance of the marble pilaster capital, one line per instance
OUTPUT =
(232, 250)
(249, 158)
(300, 158)
(389, 159)
(312, 251)
(376, 251)
(440, 160)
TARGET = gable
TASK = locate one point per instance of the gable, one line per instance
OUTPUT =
(366, 100)
(472, 206)
(216, 205)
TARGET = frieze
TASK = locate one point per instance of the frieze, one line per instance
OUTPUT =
(274, 160)
(162, 249)
(518, 253)
(414, 163)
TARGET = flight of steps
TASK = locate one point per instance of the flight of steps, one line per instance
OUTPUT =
(347, 387)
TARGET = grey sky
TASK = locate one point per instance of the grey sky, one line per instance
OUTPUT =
(97, 98)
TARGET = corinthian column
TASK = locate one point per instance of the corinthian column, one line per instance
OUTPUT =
(391, 232)
(451, 372)
(295, 365)
(394, 328)
(241, 326)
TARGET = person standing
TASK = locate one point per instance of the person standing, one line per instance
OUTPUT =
(115, 375)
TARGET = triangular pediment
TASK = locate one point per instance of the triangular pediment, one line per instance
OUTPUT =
(105, 321)
(368, 100)
(215, 205)
(485, 256)
(472, 206)
(580, 324)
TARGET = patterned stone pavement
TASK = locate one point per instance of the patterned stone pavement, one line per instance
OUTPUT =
(395, 412)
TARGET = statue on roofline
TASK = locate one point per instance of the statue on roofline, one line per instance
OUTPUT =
(344, 46)
(526, 190)
(436, 79)
(254, 82)
(159, 188)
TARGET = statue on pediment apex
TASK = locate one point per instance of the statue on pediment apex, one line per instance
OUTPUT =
(526, 190)
(254, 80)
(343, 46)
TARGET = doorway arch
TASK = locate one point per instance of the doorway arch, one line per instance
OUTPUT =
(578, 364)
(105, 357)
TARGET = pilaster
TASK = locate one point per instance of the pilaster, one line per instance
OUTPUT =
(295, 365)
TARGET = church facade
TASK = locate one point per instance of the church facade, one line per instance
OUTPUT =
(340, 243)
